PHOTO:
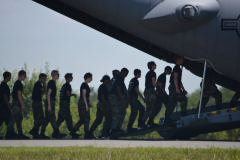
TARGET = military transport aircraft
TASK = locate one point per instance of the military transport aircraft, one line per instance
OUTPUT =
(205, 32)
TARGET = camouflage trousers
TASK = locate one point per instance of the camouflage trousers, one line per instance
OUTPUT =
(16, 117)
(49, 117)
(211, 91)
(118, 112)
(38, 116)
(174, 97)
(161, 99)
(84, 116)
(5, 114)
(136, 107)
(64, 114)
(102, 111)
(151, 99)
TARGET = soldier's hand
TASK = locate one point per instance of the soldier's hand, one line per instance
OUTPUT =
(74, 95)
(49, 109)
(178, 91)
(87, 108)
(185, 92)
(23, 107)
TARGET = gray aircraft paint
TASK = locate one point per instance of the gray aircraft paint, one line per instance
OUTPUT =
(202, 36)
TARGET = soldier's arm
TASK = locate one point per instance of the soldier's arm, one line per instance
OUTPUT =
(161, 87)
(21, 100)
(6, 101)
(69, 94)
(137, 90)
(154, 81)
(104, 101)
(85, 99)
(128, 96)
(176, 82)
(49, 99)
(121, 96)
(185, 92)
(119, 93)
(43, 89)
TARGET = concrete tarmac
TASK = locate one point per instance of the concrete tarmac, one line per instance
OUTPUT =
(120, 143)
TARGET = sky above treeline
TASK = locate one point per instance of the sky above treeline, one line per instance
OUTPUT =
(33, 34)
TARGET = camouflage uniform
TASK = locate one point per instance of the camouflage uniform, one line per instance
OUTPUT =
(174, 98)
(102, 111)
(84, 117)
(49, 117)
(38, 115)
(118, 111)
(135, 107)
(151, 98)
(16, 116)
(122, 114)
(161, 99)
(4, 114)
(123, 106)
(65, 114)
(210, 89)
(117, 105)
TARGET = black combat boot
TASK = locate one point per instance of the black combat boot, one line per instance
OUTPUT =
(56, 134)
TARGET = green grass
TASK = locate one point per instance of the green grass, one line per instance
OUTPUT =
(85, 153)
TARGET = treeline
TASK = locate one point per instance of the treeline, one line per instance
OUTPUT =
(28, 117)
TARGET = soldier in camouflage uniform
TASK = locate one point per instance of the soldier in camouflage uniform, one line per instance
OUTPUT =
(136, 106)
(115, 73)
(38, 114)
(123, 74)
(5, 107)
(17, 107)
(150, 92)
(84, 106)
(64, 112)
(177, 92)
(162, 96)
(118, 100)
(103, 109)
(210, 90)
(50, 108)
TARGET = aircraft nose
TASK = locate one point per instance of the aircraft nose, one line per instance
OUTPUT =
(171, 16)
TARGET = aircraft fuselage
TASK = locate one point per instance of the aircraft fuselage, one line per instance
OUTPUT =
(198, 30)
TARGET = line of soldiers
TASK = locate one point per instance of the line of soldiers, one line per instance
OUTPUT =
(113, 100)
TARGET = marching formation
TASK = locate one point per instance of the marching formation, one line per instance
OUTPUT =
(113, 100)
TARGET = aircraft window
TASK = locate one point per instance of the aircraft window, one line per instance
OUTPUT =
(189, 12)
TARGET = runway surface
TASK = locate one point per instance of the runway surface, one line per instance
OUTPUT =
(120, 143)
